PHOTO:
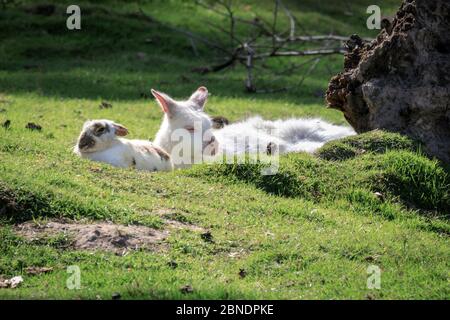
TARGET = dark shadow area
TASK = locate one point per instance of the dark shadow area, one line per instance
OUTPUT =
(119, 54)
(361, 162)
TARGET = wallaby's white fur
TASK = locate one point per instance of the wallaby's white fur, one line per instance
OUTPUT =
(106, 147)
(187, 115)
(248, 136)
(291, 135)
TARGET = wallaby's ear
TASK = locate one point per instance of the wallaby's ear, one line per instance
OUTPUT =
(120, 129)
(199, 97)
(163, 100)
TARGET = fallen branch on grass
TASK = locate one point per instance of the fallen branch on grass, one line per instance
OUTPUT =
(263, 41)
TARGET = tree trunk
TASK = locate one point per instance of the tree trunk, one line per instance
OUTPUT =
(400, 81)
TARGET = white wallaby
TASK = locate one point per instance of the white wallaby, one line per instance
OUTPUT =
(99, 141)
(185, 123)
(248, 136)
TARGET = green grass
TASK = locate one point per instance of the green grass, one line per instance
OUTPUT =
(308, 232)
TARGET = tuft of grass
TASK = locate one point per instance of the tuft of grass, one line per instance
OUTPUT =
(404, 176)
(416, 180)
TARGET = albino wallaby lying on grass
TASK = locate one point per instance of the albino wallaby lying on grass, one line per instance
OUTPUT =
(249, 136)
(98, 141)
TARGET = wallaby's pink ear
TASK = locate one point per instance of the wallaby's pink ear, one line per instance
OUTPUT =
(163, 100)
(199, 97)
(120, 130)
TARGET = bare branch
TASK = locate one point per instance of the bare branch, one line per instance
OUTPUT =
(230, 12)
(215, 68)
(317, 38)
(298, 53)
(258, 22)
(227, 32)
(291, 19)
(294, 67)
(274, 23)
(194, 47)
(311, 68)
(249, 86)
(262, 42)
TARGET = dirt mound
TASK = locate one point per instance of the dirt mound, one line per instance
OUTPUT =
(97, 236)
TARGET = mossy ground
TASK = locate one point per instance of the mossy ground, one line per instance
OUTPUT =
(308, 232)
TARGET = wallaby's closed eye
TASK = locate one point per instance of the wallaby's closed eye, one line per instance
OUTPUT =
(99, 141)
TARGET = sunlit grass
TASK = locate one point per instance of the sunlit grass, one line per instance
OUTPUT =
(308, 232)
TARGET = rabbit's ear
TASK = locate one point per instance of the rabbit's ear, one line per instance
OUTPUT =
(166, 103)
(120, 129)
(199, 97)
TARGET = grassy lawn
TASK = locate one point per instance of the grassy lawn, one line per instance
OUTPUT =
(309, 232)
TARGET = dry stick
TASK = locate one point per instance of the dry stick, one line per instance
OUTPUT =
(317, 38)
(229, 14)
(300, 25)
(276, 46)
(297, 53)
(232, 20)
(215, 68)
(313, 66)
(194, 47)
(291, 19)
(224, 31)
(293, 67)
(274, 24)
(243, 58)
(249, 65)
(244, 52)
(218, 46)
(254, 22)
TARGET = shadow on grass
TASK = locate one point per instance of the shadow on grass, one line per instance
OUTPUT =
(119, 55)
(381, 167)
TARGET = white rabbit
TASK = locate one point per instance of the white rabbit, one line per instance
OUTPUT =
(99, 141)
(253, 135)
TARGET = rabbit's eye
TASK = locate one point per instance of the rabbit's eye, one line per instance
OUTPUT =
(99, 131)
(190, 129)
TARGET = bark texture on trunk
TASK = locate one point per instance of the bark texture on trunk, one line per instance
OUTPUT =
(401, 81)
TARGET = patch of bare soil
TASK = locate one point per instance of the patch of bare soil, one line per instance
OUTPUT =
(97, 236)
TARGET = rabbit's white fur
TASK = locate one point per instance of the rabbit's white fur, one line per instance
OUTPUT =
(98, 141)
(248, 136)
